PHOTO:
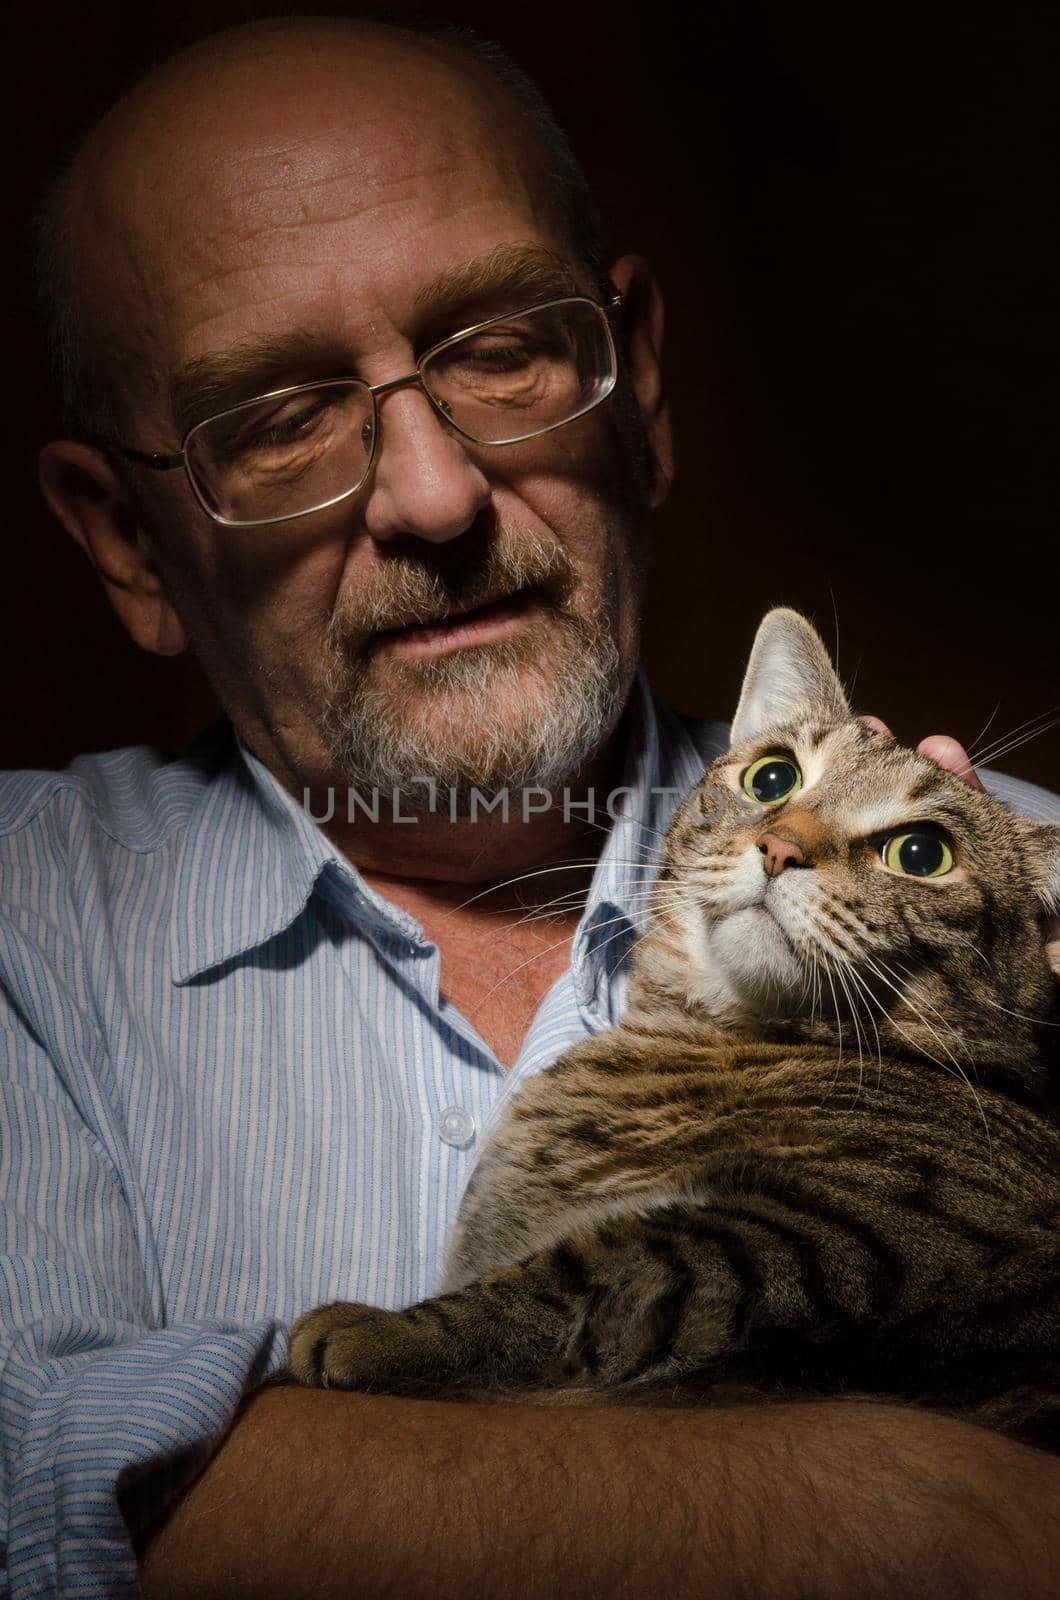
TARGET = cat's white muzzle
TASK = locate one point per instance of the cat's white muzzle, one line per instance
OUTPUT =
(755, 952)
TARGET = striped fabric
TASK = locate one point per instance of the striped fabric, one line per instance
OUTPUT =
(231, 1090)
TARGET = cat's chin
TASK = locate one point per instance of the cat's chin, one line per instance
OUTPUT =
(757, 957)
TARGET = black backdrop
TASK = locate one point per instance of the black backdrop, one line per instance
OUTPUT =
(854, 216)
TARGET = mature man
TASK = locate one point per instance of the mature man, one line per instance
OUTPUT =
(248, 1059)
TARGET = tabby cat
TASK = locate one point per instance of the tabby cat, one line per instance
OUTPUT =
(821, 1153)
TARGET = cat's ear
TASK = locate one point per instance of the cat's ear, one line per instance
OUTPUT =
(789, 675)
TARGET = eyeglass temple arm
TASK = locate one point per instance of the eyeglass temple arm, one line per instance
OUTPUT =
(157, 463)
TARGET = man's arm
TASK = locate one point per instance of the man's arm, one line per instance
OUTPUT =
(329, 1494)
(105, 1413)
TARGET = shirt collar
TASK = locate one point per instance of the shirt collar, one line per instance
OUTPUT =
(248, 863)
(251, 857)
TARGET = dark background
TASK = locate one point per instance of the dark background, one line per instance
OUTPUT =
(854, 217)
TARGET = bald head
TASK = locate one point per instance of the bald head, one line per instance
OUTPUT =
(248, 134)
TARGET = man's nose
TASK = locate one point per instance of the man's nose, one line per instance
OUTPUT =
(423, 482)
(780, 853)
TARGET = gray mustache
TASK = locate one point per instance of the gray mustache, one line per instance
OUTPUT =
(408, 592)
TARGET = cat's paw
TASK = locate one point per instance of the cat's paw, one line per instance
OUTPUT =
(343, 1346)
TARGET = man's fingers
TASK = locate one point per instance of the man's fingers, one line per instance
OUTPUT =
(940, 747)
(1052, 943)
(952, 755)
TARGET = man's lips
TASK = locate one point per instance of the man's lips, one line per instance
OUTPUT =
(482, 625)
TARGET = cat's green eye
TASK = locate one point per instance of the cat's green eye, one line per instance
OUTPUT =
(917, 855)
(771, 779)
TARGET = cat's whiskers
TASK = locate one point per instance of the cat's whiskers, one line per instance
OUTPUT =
(860, 988)
(910, 977)
(1022, 1016)
(985, 729)
(839, 1022)
(963, 939)
(860, 983)
(1009, 742)
(1041, 1022)
(633, 822)
(977, 751)
(546, 950)
(550, 909)
(807, 980)
(825, 924)
(863, 958)
(570, 865)
(894, 982)
(960, 1073)
(637, 900)
(857, 1029)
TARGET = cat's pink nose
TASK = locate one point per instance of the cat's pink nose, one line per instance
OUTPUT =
(780, 853)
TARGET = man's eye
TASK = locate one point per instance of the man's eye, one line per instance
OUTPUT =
(287, 429)
(494, 357)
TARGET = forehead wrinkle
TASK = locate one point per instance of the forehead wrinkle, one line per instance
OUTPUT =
(531, 268)
(248, 222)
(429, 184)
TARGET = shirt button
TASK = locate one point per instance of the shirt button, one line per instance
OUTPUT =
(456, 1126)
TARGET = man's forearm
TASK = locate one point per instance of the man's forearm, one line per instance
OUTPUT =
(328, 1494)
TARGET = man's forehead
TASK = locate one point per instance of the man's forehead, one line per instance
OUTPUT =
(281, 169)
(284, 189)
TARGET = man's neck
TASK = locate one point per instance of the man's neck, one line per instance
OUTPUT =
(387, 835)
(500, 898)
(527, 831)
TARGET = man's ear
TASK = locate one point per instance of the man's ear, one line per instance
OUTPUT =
(643, 315)
(84, 492)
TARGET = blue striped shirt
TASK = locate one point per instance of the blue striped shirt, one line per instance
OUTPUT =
(232, 1090)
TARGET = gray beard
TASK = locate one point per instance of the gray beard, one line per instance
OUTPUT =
(523, 713)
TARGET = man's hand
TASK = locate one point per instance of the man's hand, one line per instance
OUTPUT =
(939, 747)
(951, 754)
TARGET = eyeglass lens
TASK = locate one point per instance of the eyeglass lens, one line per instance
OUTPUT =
(508, 381)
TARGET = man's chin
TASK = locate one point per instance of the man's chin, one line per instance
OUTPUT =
(528, 712)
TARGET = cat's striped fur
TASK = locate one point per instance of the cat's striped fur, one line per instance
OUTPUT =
(820, 1155)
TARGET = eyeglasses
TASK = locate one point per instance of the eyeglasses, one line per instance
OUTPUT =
(298, 450)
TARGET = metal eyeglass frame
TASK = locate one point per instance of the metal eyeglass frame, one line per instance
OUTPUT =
(168, 463)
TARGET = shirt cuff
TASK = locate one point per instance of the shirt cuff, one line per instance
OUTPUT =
(98, 1441)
